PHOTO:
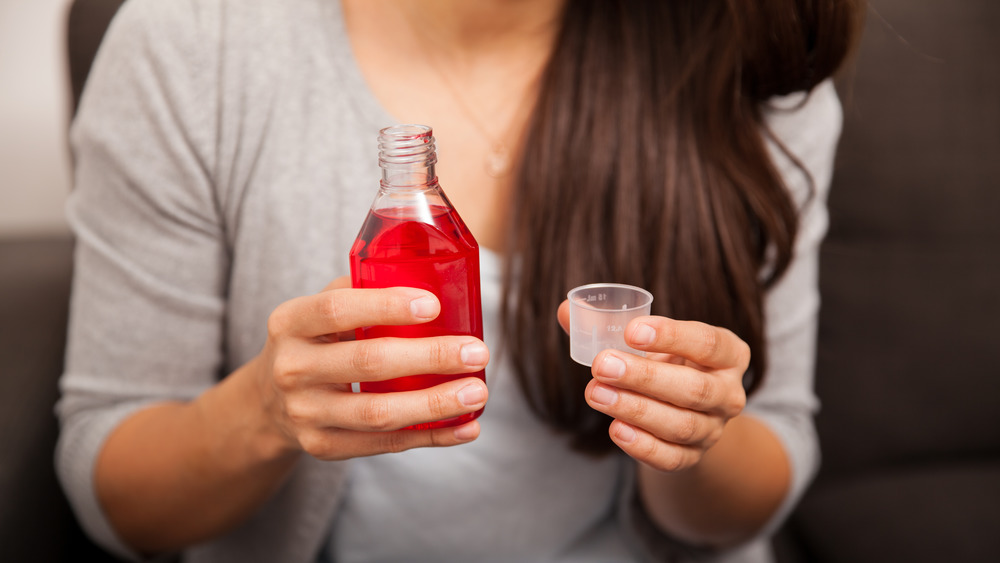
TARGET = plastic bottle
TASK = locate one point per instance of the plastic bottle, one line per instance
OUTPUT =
(413, 237)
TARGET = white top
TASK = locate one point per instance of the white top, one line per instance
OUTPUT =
(225, 159)
(517, 493)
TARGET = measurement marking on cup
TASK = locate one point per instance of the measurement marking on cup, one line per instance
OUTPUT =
(598, 316)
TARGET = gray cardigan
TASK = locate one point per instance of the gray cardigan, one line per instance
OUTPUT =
(224, 163)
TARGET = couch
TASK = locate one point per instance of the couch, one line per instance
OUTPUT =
(910, 278)
(907, 367)
(36, 523)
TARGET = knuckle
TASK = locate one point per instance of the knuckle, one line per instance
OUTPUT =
(297, 412)
(715, 435)
(709, 341)
(393, 442)
(278, 322)
(376, 412)
(313, 443)
(672, 460)
(686, 429)
(390, 305)
(331, 309)
(743, 354)
(438, 439)
(368, 358)
(667, 334)
(649, 449)
(438, 405)
(285, 371)
(637, 409)
(736, 403)
(440, 354)
(646, 373)
(701, 391)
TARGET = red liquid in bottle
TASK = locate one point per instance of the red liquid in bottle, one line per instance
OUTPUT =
(428, 248)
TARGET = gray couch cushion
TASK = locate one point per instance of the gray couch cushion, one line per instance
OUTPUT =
(907, 367)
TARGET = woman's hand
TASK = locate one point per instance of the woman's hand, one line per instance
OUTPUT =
(695, 482)
(306, 368)
(670, 407)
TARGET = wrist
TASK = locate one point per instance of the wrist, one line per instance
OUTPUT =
(245, 408)
(729, 495)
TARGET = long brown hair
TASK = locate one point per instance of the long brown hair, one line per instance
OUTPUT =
(645, 163)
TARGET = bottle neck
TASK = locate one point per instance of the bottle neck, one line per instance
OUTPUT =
(407, 155)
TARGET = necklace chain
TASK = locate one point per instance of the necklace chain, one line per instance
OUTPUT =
(498, 162)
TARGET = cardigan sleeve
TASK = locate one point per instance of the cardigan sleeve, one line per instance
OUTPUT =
(808, 126)
(151, 264)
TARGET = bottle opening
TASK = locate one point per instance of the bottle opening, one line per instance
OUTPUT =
(406, 144)
(407, 155)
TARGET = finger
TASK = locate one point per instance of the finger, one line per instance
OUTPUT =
(666, 421)
(339, 444)
(646, 448)
(708, 345)
(680, 385)
(378, 359)
(385, 412)
(301, 364)
(339, 310)
(562, 314)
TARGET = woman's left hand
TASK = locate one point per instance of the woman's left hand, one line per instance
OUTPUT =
(671, 406)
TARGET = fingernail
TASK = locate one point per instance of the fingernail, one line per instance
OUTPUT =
(611, 367)
(625, 433)
(471, 394)
(603, 395)
(424, 307)
(643, 334)
(474, 354)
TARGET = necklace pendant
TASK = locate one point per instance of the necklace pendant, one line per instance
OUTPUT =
(498, 161)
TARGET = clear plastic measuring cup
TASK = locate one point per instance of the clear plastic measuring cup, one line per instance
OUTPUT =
(598, 314)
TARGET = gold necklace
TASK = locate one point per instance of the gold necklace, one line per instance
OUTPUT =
(498, 162)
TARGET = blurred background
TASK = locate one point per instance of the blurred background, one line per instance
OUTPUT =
(36, 103)
(35, 106)
(907, 371)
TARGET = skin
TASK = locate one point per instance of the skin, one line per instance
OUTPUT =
(490, 53)
(707, 473)
(177, 473)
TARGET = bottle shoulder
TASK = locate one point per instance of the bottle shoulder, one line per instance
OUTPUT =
(407, 232)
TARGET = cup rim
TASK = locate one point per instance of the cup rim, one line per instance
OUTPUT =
(646, 303)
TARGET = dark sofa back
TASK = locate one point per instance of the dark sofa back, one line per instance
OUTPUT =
(86, 22)
(36, 522)
(907, 368)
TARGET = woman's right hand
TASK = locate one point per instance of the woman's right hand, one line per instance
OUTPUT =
(305, 370)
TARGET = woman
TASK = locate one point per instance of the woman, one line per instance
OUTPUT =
(224, 165)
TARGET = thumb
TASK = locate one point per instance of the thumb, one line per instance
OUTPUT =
(563, 315)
